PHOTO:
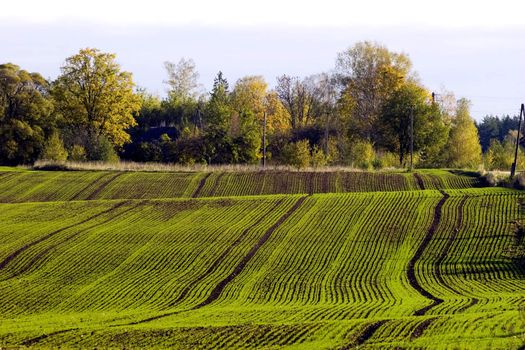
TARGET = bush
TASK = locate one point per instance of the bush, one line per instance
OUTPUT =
(319, 158)
(77, 154)
(54, 149)
(498, 156)
(388, 159)
(377, 164)
(297, 154)
(362, 154)
(100, 149)
(334, 155)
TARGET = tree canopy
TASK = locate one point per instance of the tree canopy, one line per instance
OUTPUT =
(359, 114)
(93, 93)
(25, 114)
(464, 150)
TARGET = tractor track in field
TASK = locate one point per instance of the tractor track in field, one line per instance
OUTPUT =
(419, 181)
(6, 176)
(310, 182)
(365, 334)
(473, 302)
(201, 185)
(103, 186)
(77, 196)
(20, 250)
(418, 331)
(450, 241)
(412, 279)
(421, 327)
(223, 256)
(444, 253)
(215, 185)
(217, 291)
(32, 341)
(54, 246)
(86, 187)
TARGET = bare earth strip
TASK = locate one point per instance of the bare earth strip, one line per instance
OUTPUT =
(201, 185)
(221, 258)
(366, 334)
(410, 271)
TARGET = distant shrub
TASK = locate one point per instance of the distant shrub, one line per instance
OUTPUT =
(377, 164)
(297, 154)
(77, 154)
(54, 149)
(499, 156)
(319, 158)
(100, 149)
(386, 160)
(362, 154)
(334, 153)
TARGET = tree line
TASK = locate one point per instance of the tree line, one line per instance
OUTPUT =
(364, 113)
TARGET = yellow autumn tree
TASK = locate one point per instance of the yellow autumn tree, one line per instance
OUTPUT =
(92, 93)
(464, 149)
(277, 117)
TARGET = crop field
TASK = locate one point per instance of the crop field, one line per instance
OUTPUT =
(42, 186)
(258, 260)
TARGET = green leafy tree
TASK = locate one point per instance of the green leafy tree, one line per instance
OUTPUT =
(54, 149)
(297, 154)
(369, 73)
(500, 155)
(463, 147)
(362, 154)
(92, 93)
(430, 131)
(151, 110)
(218, 109)
(25, 114)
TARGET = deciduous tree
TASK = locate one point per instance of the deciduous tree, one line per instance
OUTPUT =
(464, 150)
(93, 92)
(182, 80)
(25, 114)
(370, 73)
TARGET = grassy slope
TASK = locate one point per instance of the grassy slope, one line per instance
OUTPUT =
(140, 272)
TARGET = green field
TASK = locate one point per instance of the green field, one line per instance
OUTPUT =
(265, 260)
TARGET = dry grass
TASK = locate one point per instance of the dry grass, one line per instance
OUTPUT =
(166, 167)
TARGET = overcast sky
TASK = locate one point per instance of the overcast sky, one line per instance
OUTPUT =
(476, 49)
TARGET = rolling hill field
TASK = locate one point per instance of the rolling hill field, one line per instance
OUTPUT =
(266, 260)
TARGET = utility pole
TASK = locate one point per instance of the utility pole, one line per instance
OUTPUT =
(514, 164)
(411, 139)
(264, 140)
(326, 134)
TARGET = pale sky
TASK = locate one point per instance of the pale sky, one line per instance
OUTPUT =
(473, 48)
